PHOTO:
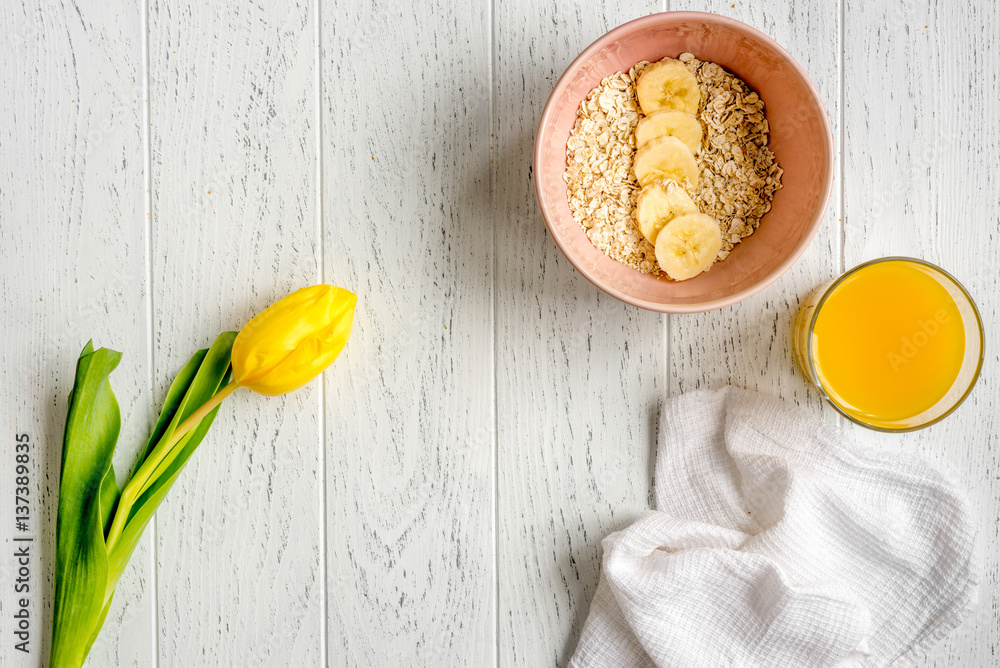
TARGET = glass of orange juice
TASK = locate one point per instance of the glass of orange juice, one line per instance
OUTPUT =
(895, 344)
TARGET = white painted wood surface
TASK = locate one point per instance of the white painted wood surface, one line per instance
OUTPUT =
(232, 91)
(74, 247)
(579, 374)
(410, 419)
(170, 167)
(921, 177)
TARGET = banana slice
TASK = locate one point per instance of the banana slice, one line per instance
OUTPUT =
(669, 123)
(688, 245)
(668, 84)
(665, 158)
(659, 203)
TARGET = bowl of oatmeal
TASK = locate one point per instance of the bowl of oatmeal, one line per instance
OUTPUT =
(758, 161)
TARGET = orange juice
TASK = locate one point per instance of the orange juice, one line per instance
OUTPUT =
(888, 342)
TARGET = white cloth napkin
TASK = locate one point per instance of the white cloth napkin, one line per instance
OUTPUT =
(777, 543)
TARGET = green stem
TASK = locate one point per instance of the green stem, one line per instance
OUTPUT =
(141, 479)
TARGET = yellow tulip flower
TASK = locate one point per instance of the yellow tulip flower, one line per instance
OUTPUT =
(293, 340)
(279, 350)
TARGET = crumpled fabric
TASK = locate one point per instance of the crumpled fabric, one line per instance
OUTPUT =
(777, 542)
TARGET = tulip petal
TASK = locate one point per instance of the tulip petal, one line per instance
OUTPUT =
(309, 359)
(293, 340)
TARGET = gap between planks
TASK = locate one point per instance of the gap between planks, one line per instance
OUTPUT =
(150, 356)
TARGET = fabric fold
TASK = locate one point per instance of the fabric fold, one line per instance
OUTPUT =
(774, 543)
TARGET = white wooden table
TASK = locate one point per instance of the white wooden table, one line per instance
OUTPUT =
(169, 167)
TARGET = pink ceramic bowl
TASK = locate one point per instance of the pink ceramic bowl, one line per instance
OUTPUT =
(800, 138)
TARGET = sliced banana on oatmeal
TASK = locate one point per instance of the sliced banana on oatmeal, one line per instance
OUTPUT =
(669, 123)
(659, 203)
(665, 158)
(668, 84)
(688, 245)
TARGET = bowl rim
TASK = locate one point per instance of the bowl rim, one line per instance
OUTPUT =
(563, 82)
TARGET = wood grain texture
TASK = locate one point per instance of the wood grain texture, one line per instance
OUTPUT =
(73, 244)
(234, 151)
(409, 410)
(749, 344)
(441, 499)
(921, 179)
(579, 374)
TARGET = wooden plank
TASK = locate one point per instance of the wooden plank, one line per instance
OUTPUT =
(233, 112)
(921, 176)
(73, 262)
(579, 374)
(749, 344)
(72, 267)
(410, 421)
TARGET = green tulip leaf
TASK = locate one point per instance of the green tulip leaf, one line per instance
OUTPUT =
(92, 426)
(175, 394)
(97, 628)
(93, 510)
(109, 497)
(201, 378)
